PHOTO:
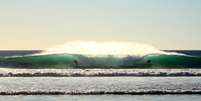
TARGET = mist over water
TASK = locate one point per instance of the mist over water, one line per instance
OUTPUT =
(117, 49)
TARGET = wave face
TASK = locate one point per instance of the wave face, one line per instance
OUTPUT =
(81, 54)
(70, 61)
(81, 61)
(173, 61)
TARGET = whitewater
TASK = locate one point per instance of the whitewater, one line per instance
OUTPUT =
(111, 48)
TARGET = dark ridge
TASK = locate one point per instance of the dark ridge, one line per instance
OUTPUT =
(100, 93)
(18, 52)
(182, 50)
(162, 74)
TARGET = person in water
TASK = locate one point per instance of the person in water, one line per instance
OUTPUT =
(148, 61)
(76, 63)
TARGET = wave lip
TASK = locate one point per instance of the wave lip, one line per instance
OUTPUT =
(5, 72)
(93, 48)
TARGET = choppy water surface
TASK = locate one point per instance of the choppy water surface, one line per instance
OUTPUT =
(10, 72)
(102, 98)
(100, 85)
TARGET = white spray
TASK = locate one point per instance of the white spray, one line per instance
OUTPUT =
(92, 48)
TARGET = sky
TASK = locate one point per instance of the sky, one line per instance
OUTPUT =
(39, 24)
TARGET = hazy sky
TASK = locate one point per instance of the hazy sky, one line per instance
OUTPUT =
(39, 24)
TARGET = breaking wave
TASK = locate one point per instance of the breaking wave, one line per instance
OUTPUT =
(89, 54)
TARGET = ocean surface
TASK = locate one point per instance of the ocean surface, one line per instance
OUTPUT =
(102, 98)
(99, 85)
(32, 76)
(100, 88)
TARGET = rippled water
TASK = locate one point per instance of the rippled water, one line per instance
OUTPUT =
(102, 98)
(100, 85)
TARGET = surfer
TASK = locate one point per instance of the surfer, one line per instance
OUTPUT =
(76, 63)
(148, 61)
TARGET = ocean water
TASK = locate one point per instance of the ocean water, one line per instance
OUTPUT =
(101, 98)
(13, 72)
(31, 76)
(99, 85)
(161, 59)
(100, 88)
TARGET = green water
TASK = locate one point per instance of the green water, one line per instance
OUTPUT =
(81, 61)
(173, 61)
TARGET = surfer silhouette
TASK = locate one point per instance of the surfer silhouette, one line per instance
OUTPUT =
(148, 61)
(76, 63)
